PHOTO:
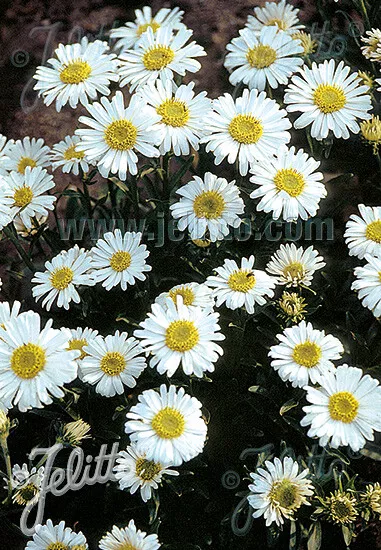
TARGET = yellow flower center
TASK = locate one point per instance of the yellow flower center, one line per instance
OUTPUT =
(143, 28)
(371, 132)
(329, 99)
(289, 180)
(75, 72)
(57, 546)
(343, 406)
(79, 547)
(77, 344)
(168, 423)
(23, 196)
(201, 243)
(294, 271)
(28, 360)
(24, 162)
(342, 507)
(308, 43)
(61, 278)
(242, 280)
(121, 135)
(307, 354)
(113, 363)
(245, 129)
(261, 56)
(173, 113)
(373, 231)
(71, 153)
(181, 336)
(25, 494)
(186, 293)
(209, 204)
(147, 469)
(120, 260)
(280, 23)
(284, 494)
(158, 57)
(125, 546)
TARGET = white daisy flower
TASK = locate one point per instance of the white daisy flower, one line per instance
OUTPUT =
(372, 48)
(363, 233)
(78, 339)
(65, 155)
(178, 335)
(128, 537)
(248, 129)
(167, 426)
(329, 98)
(211, 205)
(27, 152)
(56, 537)
(131, 32)
(368, 284)
(64, 273)
(193, 294)
(345, 410)
(34, 362)
(119, 259)
(117, 133)
(25, 232)
(26, 484)
(26, 194)
(279, 490)
(304, 354)
(112, 363)
(295, 266)
(159, 56)
(133, 471)
(182, 115)
(281, 14)
(77, 73)
(5, 148)
(241, 286)
(289, 185)
(270, 58)
(8, 312)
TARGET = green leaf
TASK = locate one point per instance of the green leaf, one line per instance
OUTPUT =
(315, 537)
(342, 179)
(291, 404)
(257, 389)
(293, 536)
(176, 178)
(347, 534)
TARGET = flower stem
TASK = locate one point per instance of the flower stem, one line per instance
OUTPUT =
(8, 464)
(15, 241)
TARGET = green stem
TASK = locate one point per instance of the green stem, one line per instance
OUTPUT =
(379, 161)
(88, 199)
(8, 464)
(13, 238)
(365, 12)
(135, 196)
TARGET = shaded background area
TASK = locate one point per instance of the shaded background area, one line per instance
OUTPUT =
(29, 32)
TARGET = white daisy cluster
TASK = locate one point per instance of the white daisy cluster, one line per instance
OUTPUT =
(137, 119)
(363, 237)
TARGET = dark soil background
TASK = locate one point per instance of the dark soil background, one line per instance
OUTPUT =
(29, 32)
